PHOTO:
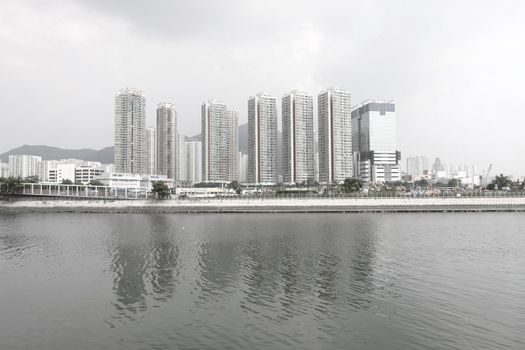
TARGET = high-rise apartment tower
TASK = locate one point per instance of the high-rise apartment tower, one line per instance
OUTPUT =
(167, 140)
(151, 145)
(298, 138)
(262, 140)
(130, 132)
(335, 135)
(220, 143)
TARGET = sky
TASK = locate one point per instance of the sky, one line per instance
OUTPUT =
(456, 69)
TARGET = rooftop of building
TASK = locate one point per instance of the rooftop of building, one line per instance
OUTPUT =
(130, 91)
(297, 92)
(262, 94)
(214, 102)
(381, 106)
(165, 105)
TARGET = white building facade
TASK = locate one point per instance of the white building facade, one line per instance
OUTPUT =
(244, 169)
(89, 171)
(262, 141)
(220, 143)
(151, 145)
(61, 172)
(182, 164)
(334, 135)
(4, 169)
(24, 166)
(130, 132)
(376, 158)
(193, 161)
(167, 140)
(298, 137)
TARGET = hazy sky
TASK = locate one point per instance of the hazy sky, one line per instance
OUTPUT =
(456, 69)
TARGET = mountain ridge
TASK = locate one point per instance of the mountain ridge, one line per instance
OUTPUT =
(104, 155)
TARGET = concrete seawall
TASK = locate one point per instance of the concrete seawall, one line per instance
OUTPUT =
(339, 205)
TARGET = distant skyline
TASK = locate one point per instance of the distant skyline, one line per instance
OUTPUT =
(454, 68)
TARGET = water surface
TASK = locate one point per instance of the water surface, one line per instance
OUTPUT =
(262, 281)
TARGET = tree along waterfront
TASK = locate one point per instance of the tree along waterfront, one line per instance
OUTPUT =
(350, 188)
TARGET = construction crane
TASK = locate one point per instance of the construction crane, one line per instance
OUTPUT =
(484, 181)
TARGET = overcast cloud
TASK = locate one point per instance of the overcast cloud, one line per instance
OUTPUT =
(454, 68)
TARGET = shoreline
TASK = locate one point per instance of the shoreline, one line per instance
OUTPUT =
(256, 205)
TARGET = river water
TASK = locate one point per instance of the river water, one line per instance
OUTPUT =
(262, 281)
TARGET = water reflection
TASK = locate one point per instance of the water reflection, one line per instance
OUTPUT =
(262, 281)
(145, 260)
(327, 276)
(362, 257)
(164, 257)
(217, 267)
(294, 286)
(129, 266)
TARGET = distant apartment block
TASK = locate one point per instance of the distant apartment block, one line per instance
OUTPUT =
(233, 142)
(167, 140)
(298, 138)
(262, 140)
(130, 132)
(376, 158)
(437, 166)
(4, 169)
(219, 143)
(243, 168)
(193, 161)
(334, 135)
(151, 146)
(24, 165)
(418, 166)
(182, 171)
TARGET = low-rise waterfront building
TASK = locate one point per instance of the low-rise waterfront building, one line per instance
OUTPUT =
(86, 173)
(62, 172)
(74, 170)
(120, 180)
(123, 180)
(147, 181)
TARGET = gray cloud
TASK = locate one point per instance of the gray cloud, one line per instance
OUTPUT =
(454, 68)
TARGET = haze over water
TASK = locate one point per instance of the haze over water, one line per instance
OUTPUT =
(262, 281)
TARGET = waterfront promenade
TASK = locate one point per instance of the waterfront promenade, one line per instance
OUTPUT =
(272, 205)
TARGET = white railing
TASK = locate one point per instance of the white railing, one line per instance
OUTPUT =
(103, 192)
